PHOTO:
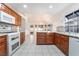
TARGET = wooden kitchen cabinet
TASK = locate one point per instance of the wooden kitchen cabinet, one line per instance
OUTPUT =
(3, 45)
(62, 42)
(5, 9)
(50, 38)
(65, 44)
(44, 38)
(57, 40)
(9, 11)
(18, 21)
(22, 37)
(41, 38)
(18, 18)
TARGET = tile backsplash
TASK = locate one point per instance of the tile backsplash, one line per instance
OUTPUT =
(60, 29)
(6, 27)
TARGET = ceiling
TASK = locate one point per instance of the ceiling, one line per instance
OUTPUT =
(35, 7)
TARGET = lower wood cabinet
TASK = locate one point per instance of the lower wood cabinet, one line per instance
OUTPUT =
(62, 42)
(3, 45)
(50, 38)
(44, 38)
(41, 38)
(22, 37)
(57, 40)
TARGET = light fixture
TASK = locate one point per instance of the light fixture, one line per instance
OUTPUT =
(25, 6)
(50, 6)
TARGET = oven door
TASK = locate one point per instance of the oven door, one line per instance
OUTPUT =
(13, 43)
(13, 48)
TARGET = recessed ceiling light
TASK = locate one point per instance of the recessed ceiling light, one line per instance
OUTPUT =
(25, 6)
(50, 6)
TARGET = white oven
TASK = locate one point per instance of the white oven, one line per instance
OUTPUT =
(13, 40)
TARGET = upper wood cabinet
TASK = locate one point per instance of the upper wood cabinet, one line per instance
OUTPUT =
(9, 11)
(18, 21)
(18, 18)
(5, 9)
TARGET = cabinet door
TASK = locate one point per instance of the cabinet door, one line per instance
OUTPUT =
(3, 45)
(50, 38)
(5, 9)
(62, 42)
(22, 37)
(18, 20)
(57, 40)
(65, 44)
(41, 38)
(3, 49)
(41, 41)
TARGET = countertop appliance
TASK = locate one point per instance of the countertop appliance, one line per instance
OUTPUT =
(7, 28)
(13, 40)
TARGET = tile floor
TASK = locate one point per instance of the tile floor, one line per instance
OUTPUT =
(29, 48)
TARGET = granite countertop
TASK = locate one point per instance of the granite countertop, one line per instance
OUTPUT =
(1, 34)
(76, 35)
(45, 31)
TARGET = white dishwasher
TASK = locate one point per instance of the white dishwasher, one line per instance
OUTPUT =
(73, 46)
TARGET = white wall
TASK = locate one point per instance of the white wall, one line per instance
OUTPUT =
(22, 28)
(39, 16)
(25, 26)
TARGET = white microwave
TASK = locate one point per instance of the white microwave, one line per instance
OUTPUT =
(6, 18)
